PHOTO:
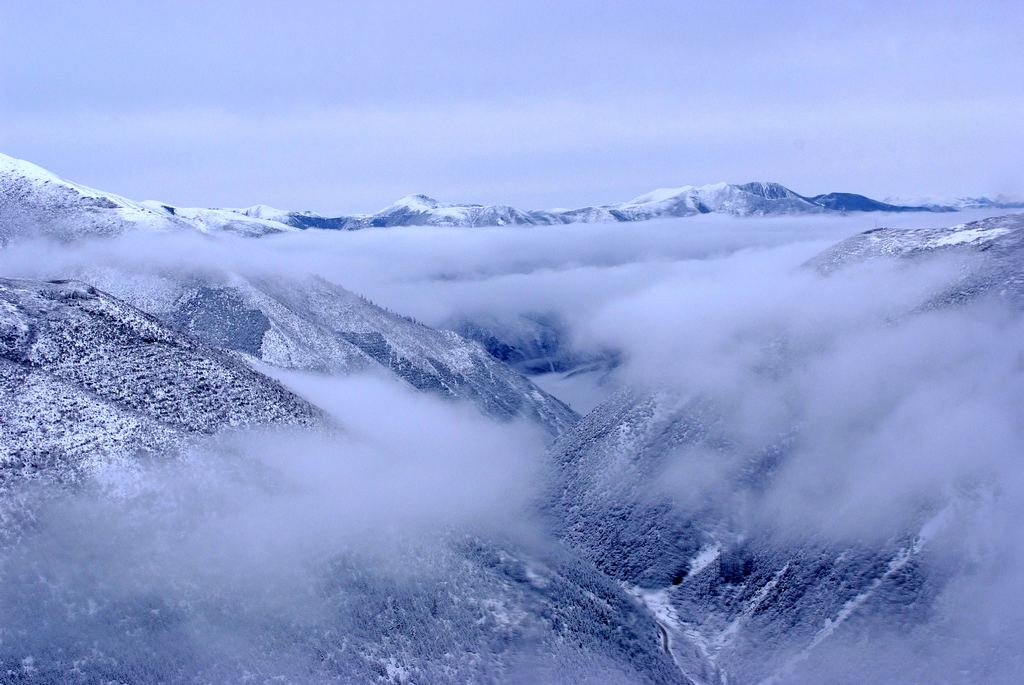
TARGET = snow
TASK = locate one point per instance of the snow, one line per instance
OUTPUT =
(312, 325)
(830, 624)
(959, 203)
(970, 235)
(138, 383)
(660, 195)
(35, 201)
(704, 558)
(37, 175)
(416, 203)
(229, 221)
(757, 198)
(752, 199)
(709, 191)
(263, 212)
(132, 383)
(20, 167)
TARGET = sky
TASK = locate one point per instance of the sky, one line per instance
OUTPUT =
(345, 107)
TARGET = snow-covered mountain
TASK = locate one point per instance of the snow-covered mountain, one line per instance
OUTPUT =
(738, 605)
(962, 203)
(93, 388)
(85, 377)
(132, 364)
(312, 325)
(35, 202)
(748, 199)
(740, 602)
(308, 325)
(993, 247)
(90, 386)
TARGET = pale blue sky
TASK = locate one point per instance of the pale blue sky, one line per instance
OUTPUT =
(345, 106)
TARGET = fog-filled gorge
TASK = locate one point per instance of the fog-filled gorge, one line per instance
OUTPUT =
(860, 414)
(664, 343)
(446, 276)
(257, 550)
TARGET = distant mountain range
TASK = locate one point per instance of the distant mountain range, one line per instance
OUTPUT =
(747, 199)
(34, 200)
(960, 203)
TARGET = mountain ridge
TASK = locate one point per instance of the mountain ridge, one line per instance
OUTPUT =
(756, 198)
(24, 184)
(741, 602)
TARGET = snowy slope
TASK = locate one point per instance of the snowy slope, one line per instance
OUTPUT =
(36, 203)
(222, 220)
(739, 603)
(992, 249)
(83, 376)
(310, 324)
(961, 203)
(1000, 233)
(736, 608)
(748, 199)
(307, 324)
(89, 384)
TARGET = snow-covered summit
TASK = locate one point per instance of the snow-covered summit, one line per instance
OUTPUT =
(415, 203)
(1000, 233)
(261, 212)
(1000, 201)
(35, 202)
(223, 220)
(663, 194)
(20, 168)
(721, 198)
(756, 198)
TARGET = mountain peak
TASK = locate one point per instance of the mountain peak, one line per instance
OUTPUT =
(417, 203)
(769, 190)
(33, 196)
(14, 165)
(264, 212)
(660, 195)
(20, 171)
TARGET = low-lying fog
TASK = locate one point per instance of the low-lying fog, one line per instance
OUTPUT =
(444, 276)
(895, 411)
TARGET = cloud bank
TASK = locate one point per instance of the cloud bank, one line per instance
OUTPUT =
(906, 417)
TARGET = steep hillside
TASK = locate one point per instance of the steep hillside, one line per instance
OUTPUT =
(85, 377)
(745, 602)
(36, 203)
(310, 324)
